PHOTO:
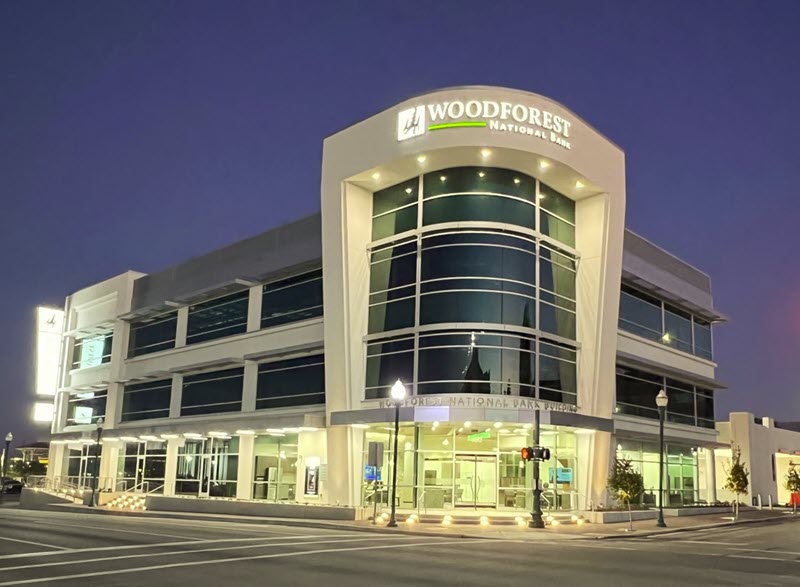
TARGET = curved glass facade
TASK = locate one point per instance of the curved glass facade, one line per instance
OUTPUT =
(487, 307)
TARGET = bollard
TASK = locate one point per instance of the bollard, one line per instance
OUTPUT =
(759, 501)
(770, 501)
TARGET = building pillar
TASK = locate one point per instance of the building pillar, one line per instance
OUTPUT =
(244, 474)
(711, 476)
(108, 466)
(249, 386)
(181, 325)
(343, 471)
(254, 308)
(176, 396)
(171, 465)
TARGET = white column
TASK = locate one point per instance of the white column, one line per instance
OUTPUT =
(711, 476)
(109, 452)
(244, 475)
(176, 396)
(171, 466)
(254, 309)
(249, 386)
(180, 326)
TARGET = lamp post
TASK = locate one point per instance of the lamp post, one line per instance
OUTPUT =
(398, 394)
(536, 521)
(9, 438)
(661, 402)
(93, 502)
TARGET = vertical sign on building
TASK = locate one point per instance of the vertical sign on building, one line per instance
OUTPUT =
(49, 330)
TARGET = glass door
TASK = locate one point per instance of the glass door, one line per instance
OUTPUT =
(476, 481)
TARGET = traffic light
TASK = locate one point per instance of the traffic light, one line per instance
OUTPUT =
(535, 453)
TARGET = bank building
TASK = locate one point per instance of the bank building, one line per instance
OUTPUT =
(471, 243)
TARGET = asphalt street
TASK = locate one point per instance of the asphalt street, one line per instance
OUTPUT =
(72, 549)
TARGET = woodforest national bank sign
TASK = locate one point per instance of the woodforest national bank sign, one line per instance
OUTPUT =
(510, 117)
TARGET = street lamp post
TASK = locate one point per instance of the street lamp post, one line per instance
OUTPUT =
(661, 402)
(398, 395)
(536, 521)
(93, 502)
(9, 438)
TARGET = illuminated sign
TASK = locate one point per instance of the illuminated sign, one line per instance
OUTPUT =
(478, 436)
(49, 327)
(510, 117)
(43, 412)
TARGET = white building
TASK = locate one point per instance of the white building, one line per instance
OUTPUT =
(471, 243)
(769, 448)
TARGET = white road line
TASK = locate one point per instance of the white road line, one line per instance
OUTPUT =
(731, 544)
(112, 529)
(240, 559)
(767, 551)
(64, 551)
(34, 543)
(761, 558)
(597, 546)
(184, 552)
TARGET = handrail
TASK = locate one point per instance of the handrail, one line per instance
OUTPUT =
(156, 489)
(419, 499)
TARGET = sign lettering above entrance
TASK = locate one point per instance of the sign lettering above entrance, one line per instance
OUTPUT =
(499, 116)
(502, 402)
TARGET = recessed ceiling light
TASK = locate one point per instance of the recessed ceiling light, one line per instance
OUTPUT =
(376, 176)
(409, 190)
(467, 424)
(544, 164)
(516, 180)
(486, 152)
(481, 174)
(421, 158)
(578, 184)
(442, 177)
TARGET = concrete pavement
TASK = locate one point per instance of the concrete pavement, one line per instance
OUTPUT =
(74, 548)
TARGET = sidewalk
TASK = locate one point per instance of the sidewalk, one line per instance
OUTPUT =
(587, 531)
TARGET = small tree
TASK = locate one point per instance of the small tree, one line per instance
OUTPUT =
(627, 483)
(737, 481)
(22, 469)
(792, 483)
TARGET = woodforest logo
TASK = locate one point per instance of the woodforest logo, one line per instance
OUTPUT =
(499, 116)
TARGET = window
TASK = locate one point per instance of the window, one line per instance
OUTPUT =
(211, 393)
(217, 318)
(151, 335)
(558, 377)
(649, 317)
(393, 275)
(145, 401)
(640, 314)
(557, 215)
(388, 360)
(394, 209)
(636, 396)
(292, 299)
(275, 468)
(293, 382)
(86, 407)
(142, 465)
(92, 351)
(702, 338)
(208, 467)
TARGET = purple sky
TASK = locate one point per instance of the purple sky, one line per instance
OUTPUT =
(134, 135)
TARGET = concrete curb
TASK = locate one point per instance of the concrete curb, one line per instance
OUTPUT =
(649, 533)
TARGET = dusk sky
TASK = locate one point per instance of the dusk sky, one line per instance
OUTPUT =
(134, 135)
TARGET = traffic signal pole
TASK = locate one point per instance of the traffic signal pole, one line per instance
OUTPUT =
(536, 516)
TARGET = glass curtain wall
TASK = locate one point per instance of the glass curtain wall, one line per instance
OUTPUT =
(208, 467)
(653, 319)
(681, 472)
(86, 407)
(275, 467)
(92, 351)
(503, 270)
(150, 335)
(688, 404)
(471, 466)
(142, 465)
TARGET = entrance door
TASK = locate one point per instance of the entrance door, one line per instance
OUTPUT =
(476, 481)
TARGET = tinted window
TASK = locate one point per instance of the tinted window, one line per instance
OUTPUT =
(144, 401)
(292, 299)
(217, 318)
(151, 335)
(86, 407)
(209, 393)
(92, 351)
(294, 382)
(472, 208)
(640, 314)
